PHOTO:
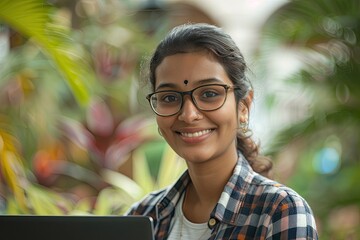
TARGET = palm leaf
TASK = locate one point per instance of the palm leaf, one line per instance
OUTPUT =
(171, 167)
(33, 19)
(46, 202)
(12, 169)
(141, 171)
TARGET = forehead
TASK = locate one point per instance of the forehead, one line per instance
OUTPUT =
(196, 67)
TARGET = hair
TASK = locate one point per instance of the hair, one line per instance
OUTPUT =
(189, 38)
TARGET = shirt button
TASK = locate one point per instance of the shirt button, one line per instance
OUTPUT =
(212, 222)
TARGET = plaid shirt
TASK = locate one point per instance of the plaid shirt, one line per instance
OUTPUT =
(250, 207)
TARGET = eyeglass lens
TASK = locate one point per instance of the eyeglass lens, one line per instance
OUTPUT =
(207, 98)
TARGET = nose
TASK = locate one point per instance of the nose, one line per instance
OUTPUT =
(189, 111)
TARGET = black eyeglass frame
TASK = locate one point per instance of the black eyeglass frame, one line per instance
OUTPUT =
(190, 93)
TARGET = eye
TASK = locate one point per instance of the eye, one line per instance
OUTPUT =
(168, 98)
(209, 93)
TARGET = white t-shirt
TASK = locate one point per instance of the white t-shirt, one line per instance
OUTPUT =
(183, 229)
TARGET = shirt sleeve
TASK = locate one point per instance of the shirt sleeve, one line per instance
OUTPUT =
(293, 219)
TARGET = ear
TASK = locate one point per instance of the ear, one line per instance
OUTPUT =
(244, 107)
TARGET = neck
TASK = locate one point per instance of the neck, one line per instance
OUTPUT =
(208, 180)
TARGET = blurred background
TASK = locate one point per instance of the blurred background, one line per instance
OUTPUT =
(78, 137)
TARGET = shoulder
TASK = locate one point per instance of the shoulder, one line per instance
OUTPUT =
(276, 195)
(289, 214)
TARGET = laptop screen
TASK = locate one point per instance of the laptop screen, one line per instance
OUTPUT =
(88, 227)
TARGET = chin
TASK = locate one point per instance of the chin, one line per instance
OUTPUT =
(195, 156)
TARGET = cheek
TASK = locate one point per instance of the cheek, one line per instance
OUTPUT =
(164, 123)
(228, 114)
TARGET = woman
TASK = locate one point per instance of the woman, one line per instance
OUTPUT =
(202, 99)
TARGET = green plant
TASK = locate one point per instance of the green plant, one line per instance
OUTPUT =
(34, 20)
(321, 145)
(61, 151)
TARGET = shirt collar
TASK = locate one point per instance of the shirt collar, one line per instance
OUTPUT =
(230, 201)
(233, 195)
(167, 205)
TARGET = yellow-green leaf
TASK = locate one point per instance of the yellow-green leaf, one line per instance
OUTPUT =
(12, 169)
(33, 19)
(141, 171)
(171, 167)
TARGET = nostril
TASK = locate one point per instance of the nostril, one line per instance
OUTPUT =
(189, 113)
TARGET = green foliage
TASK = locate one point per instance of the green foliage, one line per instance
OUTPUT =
(33, 19)
(61, 152)
(114, 199)
(325, 37)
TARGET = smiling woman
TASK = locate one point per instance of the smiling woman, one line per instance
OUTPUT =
(224, 194)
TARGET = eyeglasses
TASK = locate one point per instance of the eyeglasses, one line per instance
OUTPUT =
(208, 97)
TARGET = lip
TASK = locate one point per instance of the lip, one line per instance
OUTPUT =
(194, 135)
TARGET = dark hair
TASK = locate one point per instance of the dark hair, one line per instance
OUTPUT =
(199, 37)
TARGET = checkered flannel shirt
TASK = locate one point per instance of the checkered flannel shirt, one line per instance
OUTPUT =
(250, 207)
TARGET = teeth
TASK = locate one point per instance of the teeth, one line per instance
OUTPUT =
(196, 134)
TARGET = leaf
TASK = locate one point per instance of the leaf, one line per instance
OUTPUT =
(83, 206)
(77, 133)
(13, 169)
(123, 182)
(12, 207)
(46, 202)
(141, 171)
(33, 19)
(171, 167)
(112, 201)
(99, 118)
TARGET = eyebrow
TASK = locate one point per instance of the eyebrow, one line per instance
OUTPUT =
(166, 85)
(198, 83)
(209, 81)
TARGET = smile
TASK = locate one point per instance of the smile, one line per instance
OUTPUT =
(195, 134)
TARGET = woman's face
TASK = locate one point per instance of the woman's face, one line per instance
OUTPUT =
(195, 135)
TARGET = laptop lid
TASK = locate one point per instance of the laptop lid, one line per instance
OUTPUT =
(86, 227)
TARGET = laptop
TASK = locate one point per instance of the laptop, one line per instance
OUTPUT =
(88, 227)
